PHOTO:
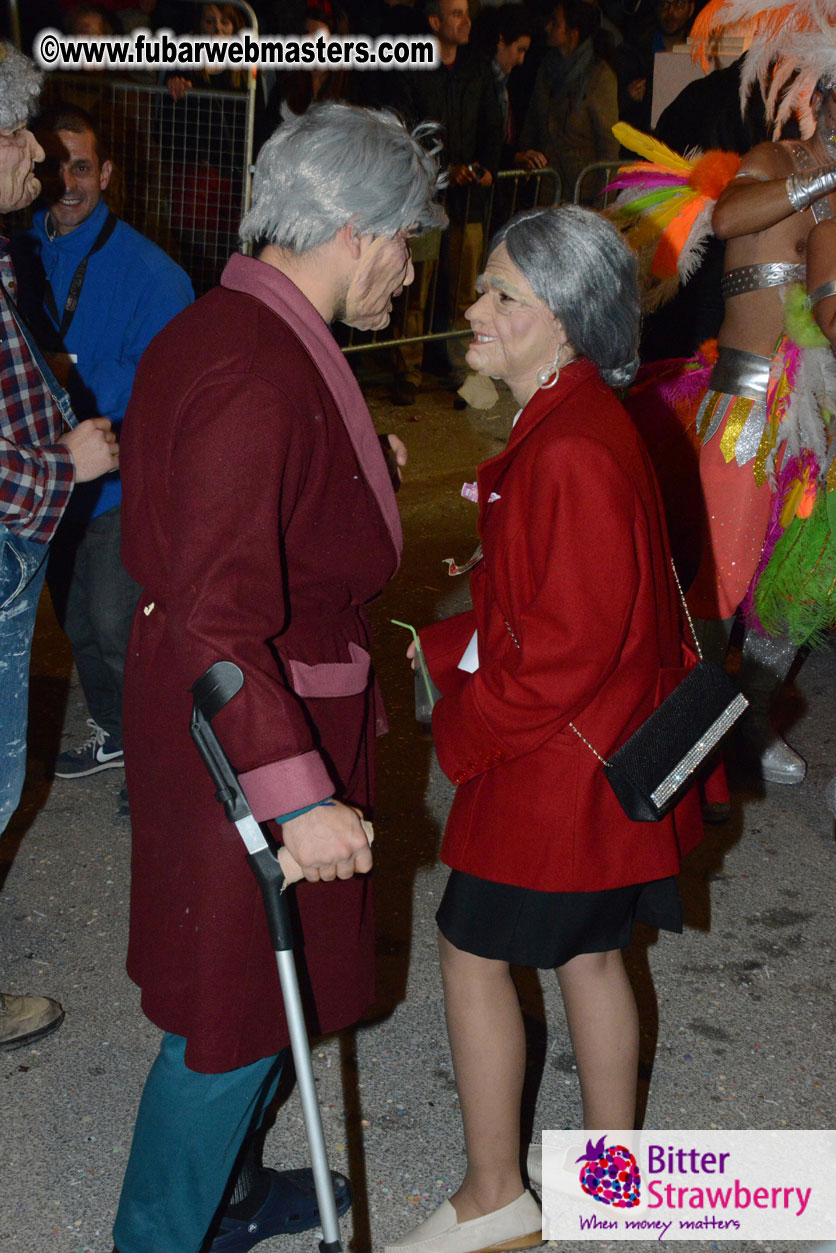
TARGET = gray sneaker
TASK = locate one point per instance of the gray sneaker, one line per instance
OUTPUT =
(24, 1019)
(91, 756)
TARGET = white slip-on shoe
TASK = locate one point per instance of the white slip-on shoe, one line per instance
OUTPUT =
(534, 1165)
(515, 1226)
(25, 1019)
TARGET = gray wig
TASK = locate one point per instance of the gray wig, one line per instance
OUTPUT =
(20, 86)
(578, 264)
(336, 164)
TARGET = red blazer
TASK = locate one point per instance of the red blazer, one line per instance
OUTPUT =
(576, 565)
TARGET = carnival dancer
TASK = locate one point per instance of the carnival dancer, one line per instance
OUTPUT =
(763, 420)
(762, 423)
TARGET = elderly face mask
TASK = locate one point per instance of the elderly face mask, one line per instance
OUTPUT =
(384, 269)
(19, 151)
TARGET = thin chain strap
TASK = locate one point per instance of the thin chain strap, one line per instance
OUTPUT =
(582, 737)
(588, 745)
(516, 643)
(687, 611)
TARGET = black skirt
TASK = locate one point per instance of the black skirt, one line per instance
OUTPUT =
(548, 929)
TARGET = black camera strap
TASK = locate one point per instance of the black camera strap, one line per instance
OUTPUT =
(63, 323)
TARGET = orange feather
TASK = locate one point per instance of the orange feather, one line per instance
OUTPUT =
(673, 241)
(713, 172)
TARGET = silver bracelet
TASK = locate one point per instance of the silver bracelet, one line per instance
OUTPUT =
(820, 293)
(804, 188)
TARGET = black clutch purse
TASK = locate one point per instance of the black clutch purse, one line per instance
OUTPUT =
(651, 771)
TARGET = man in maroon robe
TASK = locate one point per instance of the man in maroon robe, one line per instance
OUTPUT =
(259, 518)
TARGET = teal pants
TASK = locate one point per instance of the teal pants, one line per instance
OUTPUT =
(188, 1133)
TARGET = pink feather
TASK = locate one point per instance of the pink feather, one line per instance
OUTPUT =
(685, 388)
(650, 182)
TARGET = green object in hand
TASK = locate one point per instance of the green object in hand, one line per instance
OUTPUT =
(426, 692)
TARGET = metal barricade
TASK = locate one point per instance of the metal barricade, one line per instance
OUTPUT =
(446, 265)
(182, 168)
(602, 172)
(529, 189)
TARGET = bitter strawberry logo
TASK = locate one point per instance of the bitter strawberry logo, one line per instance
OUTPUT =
(610, 1174)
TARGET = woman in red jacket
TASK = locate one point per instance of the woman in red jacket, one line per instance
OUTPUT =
(572, 641)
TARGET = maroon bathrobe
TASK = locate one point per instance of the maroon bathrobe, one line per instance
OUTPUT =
(259, 518)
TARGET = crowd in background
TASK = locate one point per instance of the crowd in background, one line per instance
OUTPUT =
(523, 86)
(558, 320)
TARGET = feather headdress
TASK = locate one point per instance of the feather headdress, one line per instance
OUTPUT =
(664, 208)
(791, 48)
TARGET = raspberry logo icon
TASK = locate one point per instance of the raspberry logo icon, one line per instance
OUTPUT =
(610, 1174)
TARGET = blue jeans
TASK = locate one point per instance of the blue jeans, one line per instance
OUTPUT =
(22, 568)
(94, 599)
(188, 1132)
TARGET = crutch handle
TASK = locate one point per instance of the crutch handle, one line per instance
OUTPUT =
(270, 878)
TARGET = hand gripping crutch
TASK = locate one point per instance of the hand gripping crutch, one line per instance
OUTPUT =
(211, 692)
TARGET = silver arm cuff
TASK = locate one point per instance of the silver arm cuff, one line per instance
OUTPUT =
(810, 185)
(821, 293)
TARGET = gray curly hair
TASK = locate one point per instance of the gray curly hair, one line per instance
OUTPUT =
(20, 86)
(578, 264)
(337, 163)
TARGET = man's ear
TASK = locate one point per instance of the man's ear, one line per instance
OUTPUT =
(104, 177)
(435, 23)
(350, 239)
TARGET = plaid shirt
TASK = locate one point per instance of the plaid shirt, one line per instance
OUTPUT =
(37, 473)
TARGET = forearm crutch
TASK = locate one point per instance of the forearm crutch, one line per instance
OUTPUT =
(211, 692)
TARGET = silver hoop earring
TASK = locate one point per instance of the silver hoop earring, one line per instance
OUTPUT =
(547, 375)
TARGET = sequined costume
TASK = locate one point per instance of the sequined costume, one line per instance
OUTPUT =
(751, 407)
(760, 423)
(771, 415)
(736, 506)
(766, 455)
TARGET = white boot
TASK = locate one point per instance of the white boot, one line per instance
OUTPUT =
(766, 664)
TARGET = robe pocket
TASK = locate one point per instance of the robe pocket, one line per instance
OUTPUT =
(332, 678)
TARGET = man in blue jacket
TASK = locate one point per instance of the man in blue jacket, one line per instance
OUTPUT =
(96, 293)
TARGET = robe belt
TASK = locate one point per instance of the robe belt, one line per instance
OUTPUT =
(746, 278)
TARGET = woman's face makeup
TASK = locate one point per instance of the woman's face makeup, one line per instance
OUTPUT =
(514, 331)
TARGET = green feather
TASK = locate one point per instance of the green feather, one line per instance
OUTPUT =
(799, 322)
(648, 200)
(796, 593)
(830, 497)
